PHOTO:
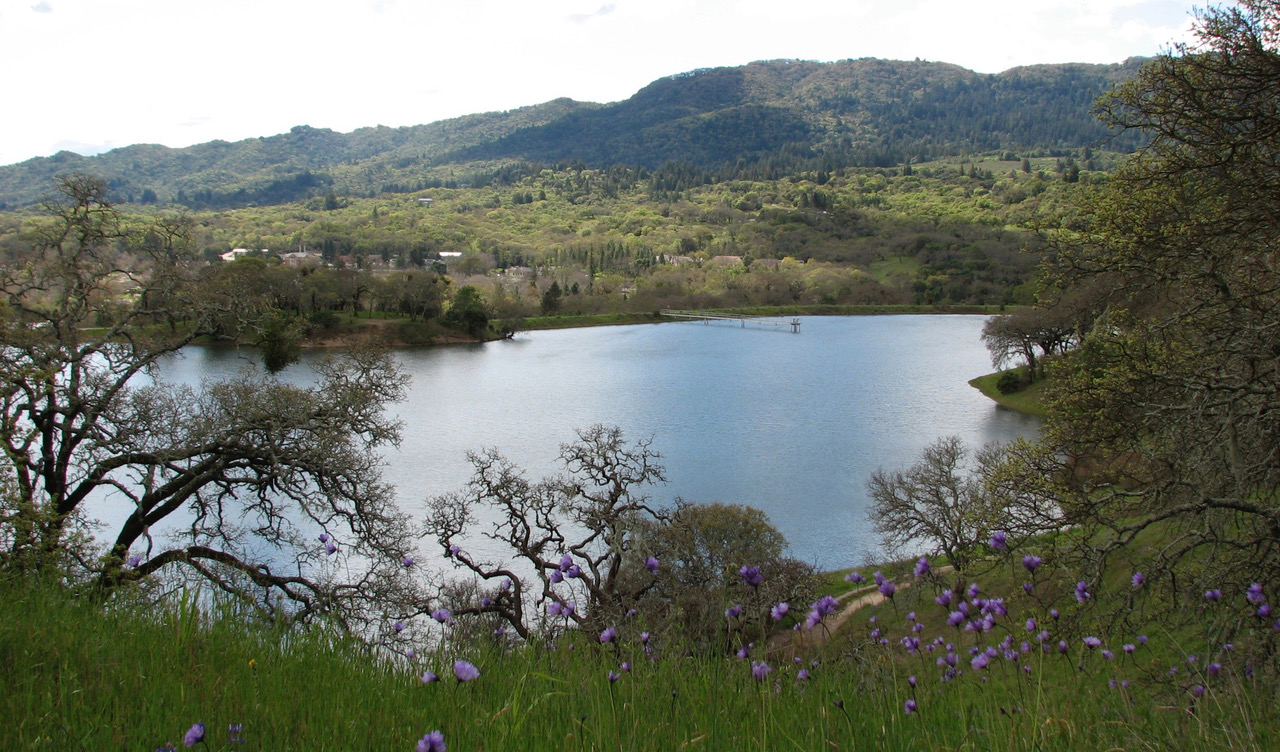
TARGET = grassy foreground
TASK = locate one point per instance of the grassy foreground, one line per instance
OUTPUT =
(132, 678)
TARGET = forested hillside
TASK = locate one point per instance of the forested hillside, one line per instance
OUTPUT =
(763, 120)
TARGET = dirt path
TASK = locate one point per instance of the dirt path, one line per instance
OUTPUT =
(797, 641)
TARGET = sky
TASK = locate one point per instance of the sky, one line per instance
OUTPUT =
(92, 75)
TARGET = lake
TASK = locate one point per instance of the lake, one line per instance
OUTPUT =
(792, 424)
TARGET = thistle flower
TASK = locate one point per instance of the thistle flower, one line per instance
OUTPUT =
(553, 608)
(506, 584)
(556, 576)
(324, 537)
(751, 576)
(442, 615)
(980, 661)
(1138, 579)
(465, 671)
(408, 562)
(566, 561)
(330, 548)
(910, 707)
(779, 611)
(194, 735)
(887, 589)
(854, 577)
(1093, 642)
(973, 590)
(614, 676)
(827, 604)
(802, 674)
(999, 540)
(644, 638)
(943, 600)
(732, 612)
(1264, 610)
(429, 676)
(1031, 562)
(911, 680)
(651, 564)
(433, 742)
(1128, 647)
(608, 635)
(1214, 669)
(760, 670)
(568, 608)
(743, 652)
(922, 567)
(398, 626)
(573, 571)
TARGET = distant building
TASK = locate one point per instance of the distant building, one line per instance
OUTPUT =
(426, 201)
(234, 254)
(726, 260)
(299, 259)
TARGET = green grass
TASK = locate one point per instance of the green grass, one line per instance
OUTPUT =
(1029, 400)
(79, 676)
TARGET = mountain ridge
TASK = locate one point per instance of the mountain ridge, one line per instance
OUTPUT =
(863, 112)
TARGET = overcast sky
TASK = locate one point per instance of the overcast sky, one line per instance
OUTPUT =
(93, 75)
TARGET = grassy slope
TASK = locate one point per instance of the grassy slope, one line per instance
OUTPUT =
(1029, 400)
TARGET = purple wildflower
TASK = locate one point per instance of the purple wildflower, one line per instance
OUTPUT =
(1031, 625)
(644, 638)
(1000, 540)
(943, 600)
(733, 612)
(133, 562)
(1142, 639)
(330, 548)
(454, 549)
(779, 611)
(1062, 646)
(743, 652)
(1214, 669)
(608, 635)
(1254, 593)
(760, 670)
(751, 576)
(1197, 691)
(1128, 647)
(429, 676)
(553, 608)
(854, 577)
(922, 567)
(433, 742)
(324, 537)
(911, 680)
(614, 676)
(408, 562)
(234, 731)
(1138, 579)
(1264, 610)
(973, 590)
(506, 584)
(1054, 613)
(194, 735)
(980, 661)
(1031, 562)
(910, 707)
(1082, 592)
(566, 561)
(651, 564)
(568, 608)
(465, 671)
(1093, 642)
(1027, 588)
(955, 619)
(887, 588)
(827, 604)
(442, 615)
(573, 571)
(1108, 654)
(556, 576)
(802, 674)
(398, 626)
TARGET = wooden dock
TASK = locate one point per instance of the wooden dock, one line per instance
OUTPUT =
(707, 317)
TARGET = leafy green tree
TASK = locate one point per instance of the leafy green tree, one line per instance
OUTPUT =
(1171, 401)
(551, 299)
(468, 312)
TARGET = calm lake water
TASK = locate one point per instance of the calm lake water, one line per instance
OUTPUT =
(792, 424)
